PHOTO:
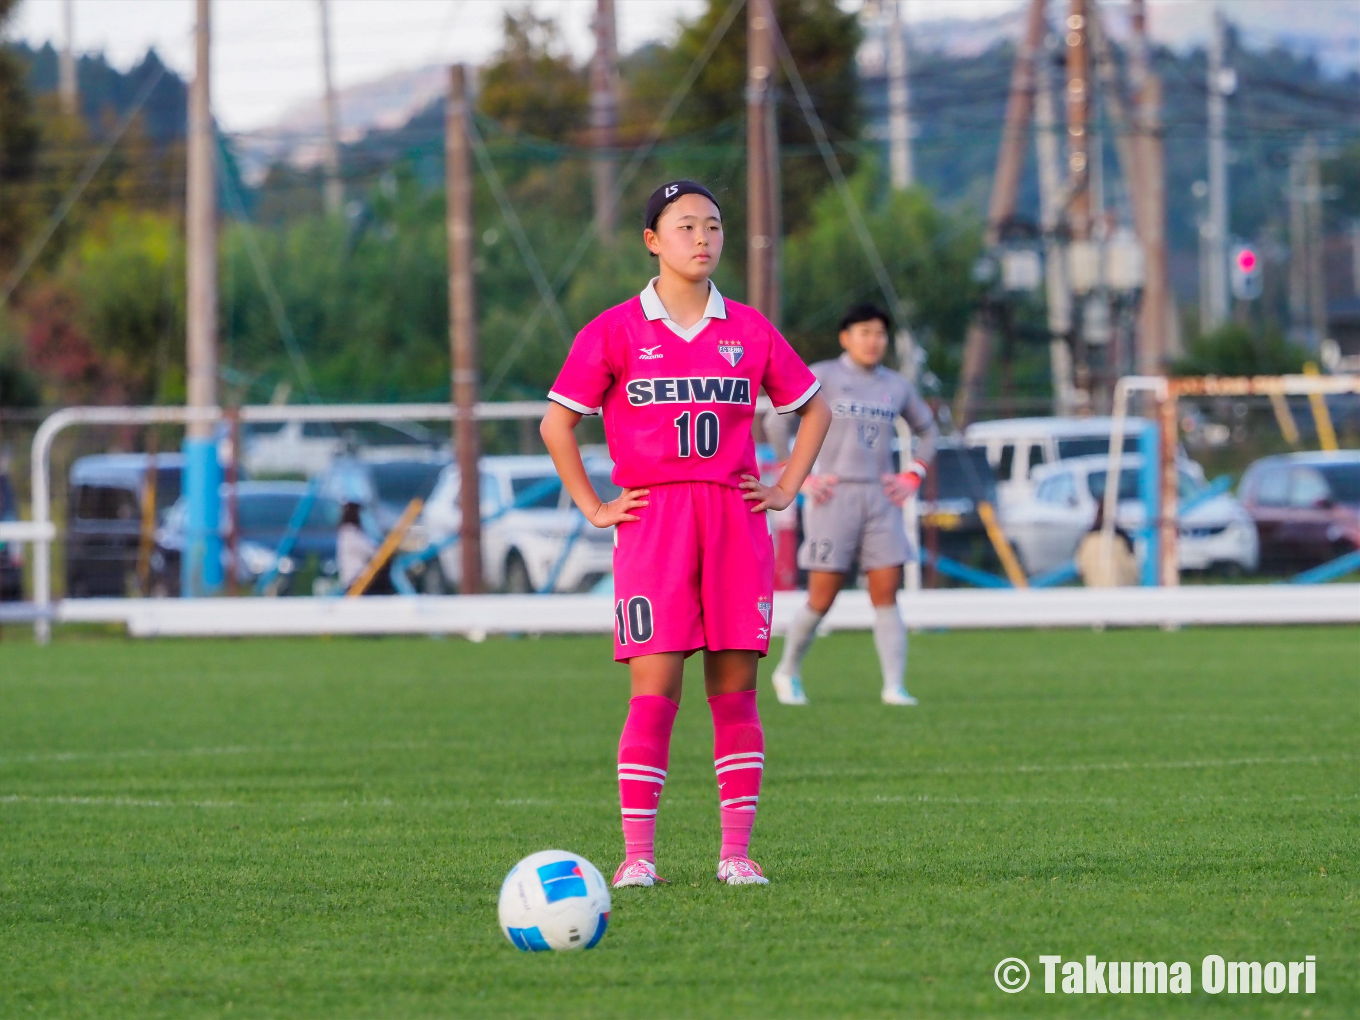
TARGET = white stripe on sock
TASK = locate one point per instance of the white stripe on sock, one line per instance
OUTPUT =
(641, 768)
(738, 800)
(643, 779)
(740, 765)
(742, 754)
(638, 811)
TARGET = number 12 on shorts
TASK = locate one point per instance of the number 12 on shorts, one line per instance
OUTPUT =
(704, 437)
(633, 620)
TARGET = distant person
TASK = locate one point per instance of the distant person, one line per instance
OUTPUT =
(1122, 569)
(353, 547)
(853, 510)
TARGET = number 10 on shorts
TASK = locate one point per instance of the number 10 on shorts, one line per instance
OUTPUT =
(633, 618)
(704, 439)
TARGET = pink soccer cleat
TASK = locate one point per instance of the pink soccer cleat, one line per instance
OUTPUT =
(637, 872)
(741, 871)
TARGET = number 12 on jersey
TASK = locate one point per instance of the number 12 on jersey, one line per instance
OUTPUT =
(701, 437)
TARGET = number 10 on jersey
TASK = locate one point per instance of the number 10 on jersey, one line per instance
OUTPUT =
(700, 436)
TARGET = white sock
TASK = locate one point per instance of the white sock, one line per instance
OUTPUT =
(798, 639)
(890, 638)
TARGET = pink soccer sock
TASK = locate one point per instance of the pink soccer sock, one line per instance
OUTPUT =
(644, 752)
(739, 759)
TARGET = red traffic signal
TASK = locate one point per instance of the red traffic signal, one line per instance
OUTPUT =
(1245, 278)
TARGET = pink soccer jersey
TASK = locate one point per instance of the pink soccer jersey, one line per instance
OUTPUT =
(677, 404)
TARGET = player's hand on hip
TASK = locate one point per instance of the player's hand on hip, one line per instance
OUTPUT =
(820, 487)
(617, 511)
(900, 488)
(765, 497)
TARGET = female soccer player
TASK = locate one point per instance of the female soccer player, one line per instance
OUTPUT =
(853, 512)
(675, 372)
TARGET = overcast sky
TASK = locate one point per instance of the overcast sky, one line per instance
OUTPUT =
(267, 55)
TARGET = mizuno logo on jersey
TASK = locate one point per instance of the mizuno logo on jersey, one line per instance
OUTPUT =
(854, 409)
(650, 353)
(692, 390)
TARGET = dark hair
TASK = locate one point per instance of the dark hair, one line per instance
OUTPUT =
(670, 192)
(865, 313)
(349, 514)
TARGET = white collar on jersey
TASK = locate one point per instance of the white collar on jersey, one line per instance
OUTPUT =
(653, 309)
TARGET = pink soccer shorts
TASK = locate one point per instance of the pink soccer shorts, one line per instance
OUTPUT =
(695, 571)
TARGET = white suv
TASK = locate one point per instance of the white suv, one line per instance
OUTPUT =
(533, 537)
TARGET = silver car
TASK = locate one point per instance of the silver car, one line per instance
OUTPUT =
(1215, 534)
(533, 537)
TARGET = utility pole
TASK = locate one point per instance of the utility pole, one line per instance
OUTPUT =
(899, 101)
(760, 223)
(1298, 247)
(463, 326)
(1078, 91)
(1217, 237)
(977, 341)
(201, 562)
(1317, 281)
(604, 117)
(67, 87)
(335, 187)
(1057, 290)
(1152, 342)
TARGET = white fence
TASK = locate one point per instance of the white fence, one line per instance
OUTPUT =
(476, 616)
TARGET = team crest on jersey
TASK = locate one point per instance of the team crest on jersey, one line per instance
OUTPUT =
(766, 606)
(732, 352)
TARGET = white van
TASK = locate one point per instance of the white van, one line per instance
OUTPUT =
(1017, 447)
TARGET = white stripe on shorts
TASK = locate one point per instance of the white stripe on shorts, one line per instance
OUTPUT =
(734, 757)
(641, 768)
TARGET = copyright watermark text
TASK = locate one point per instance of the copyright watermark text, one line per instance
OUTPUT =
(1092, 976)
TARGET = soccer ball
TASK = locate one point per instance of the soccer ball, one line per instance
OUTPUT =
(554, 900)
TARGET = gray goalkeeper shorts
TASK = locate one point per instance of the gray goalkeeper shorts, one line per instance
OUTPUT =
(859, 523)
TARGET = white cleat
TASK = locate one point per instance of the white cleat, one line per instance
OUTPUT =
(788, 688)
(898, 696)
(639, 873)
(741, 871)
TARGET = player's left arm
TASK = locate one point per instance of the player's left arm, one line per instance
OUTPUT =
(814, 420)
(906, 483)
(792, 386)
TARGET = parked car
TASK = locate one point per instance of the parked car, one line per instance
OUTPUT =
(105, 518)
(382, 483)
(264, 511)
(958, 479)
(532, 534)
(1017, 448)
(11, 553)
(1306, 507)
(307, 448)
(1216, 534)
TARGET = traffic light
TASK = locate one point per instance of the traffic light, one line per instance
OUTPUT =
(1246, 273)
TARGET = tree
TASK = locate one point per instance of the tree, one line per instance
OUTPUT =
(531, 87)
(929, 256)
(18, 144)
(1235, 349)
(822, 39)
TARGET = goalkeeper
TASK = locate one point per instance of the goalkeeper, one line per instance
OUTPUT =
(852, 510)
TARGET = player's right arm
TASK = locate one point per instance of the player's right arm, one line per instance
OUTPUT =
(558, 430)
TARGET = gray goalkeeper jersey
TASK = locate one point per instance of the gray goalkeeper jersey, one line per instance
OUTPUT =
(864, 409)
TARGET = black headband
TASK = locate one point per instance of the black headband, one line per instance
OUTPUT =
(668, 193)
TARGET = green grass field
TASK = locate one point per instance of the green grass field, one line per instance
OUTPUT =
(319, 827)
